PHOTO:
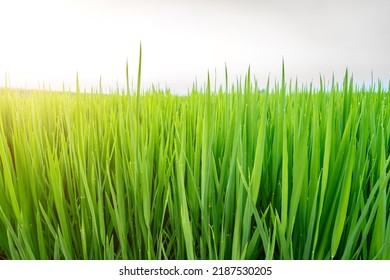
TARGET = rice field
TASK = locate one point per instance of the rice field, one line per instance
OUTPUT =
(288, 172)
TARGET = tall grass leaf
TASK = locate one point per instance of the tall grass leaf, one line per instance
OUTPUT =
(343, 203)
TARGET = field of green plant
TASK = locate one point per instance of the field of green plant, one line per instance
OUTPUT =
(289, 172)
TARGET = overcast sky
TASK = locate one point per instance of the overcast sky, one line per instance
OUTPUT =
(49, 41)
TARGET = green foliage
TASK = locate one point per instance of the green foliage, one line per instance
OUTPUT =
(234, 173)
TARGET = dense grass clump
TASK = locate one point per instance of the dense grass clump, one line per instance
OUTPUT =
(285, 173)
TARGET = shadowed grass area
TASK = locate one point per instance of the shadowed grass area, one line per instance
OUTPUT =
(287, 172)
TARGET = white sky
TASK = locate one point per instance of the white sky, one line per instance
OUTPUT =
(50, 40)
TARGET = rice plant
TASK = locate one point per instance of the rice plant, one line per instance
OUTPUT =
(289, 172)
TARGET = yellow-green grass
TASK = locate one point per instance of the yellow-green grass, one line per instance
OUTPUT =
(287, 172)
